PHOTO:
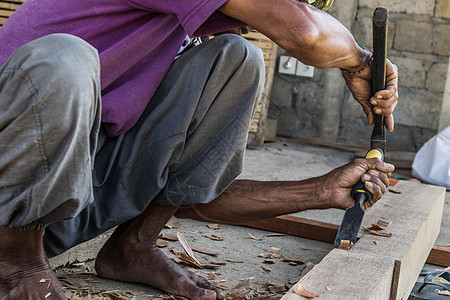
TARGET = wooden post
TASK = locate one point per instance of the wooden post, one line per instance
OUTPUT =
(258, 124)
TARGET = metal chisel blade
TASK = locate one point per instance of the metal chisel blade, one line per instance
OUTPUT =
(378, 143)
(378, 139)
(350, 224)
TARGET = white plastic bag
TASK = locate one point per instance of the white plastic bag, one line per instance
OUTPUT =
(432, 163)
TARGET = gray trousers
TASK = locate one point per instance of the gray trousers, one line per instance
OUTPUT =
(186, 148)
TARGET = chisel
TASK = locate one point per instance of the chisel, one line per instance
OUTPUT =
(351, 222)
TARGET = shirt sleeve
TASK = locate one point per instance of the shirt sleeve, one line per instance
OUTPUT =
(190, 13)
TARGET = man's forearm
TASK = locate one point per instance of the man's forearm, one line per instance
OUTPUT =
(310, 35)
(249, 200)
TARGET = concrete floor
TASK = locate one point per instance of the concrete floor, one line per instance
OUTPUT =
(241, 246)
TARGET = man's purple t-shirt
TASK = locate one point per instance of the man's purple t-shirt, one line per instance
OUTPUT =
(137, 41)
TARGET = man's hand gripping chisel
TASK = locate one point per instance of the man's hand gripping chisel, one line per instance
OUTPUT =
(348, 231)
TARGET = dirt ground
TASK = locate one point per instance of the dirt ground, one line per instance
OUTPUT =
(265, 264)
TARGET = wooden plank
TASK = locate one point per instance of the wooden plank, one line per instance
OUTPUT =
(416, 217)
(9, 5)
(258, 123)
(439, 255)
(7, 8)
(255, 35)
(326, 232)
(296, 226)
(263, 44)
(13, 1)
(6, 13)
(3, 20)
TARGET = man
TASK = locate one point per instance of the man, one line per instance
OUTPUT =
(109, 116)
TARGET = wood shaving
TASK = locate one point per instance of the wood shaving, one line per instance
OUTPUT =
(241, 290)
(166, 297)
(273, 249)
(77, 264)
(309, 266)
(375, 227)
(269, 261)
(214, 237)
(275, 234)
(374, 232)
(186, 259)
(174, 224)
(244, 291)
(187, 248)
(203, 251)
(266, 269)
(394, 191)
(271, 255)
(294, 260)
(45, 280)
(210, 266)
(254, 238)
(234, 261)
(345, 245)
(216, 262)
(161, 243)
(381, 224)
(301, 291)
(213, 226)
(220, 285)
(168, 237)
(74, 282)
(276, 286)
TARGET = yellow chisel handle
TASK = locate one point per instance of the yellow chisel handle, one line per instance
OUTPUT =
(359, 191)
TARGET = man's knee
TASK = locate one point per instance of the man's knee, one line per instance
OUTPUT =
(240, 50)
(57, 59)
(62, 70)
(51, 85)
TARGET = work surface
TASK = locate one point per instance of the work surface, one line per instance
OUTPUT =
(246, 253)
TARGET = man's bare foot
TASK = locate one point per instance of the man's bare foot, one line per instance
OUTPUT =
(131, 255)
(24, 269)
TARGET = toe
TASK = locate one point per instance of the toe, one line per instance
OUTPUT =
(206, 284)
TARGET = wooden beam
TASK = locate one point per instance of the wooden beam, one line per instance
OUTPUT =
(380, 267)
(340, 276)
(258, 123)
(439, 255)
